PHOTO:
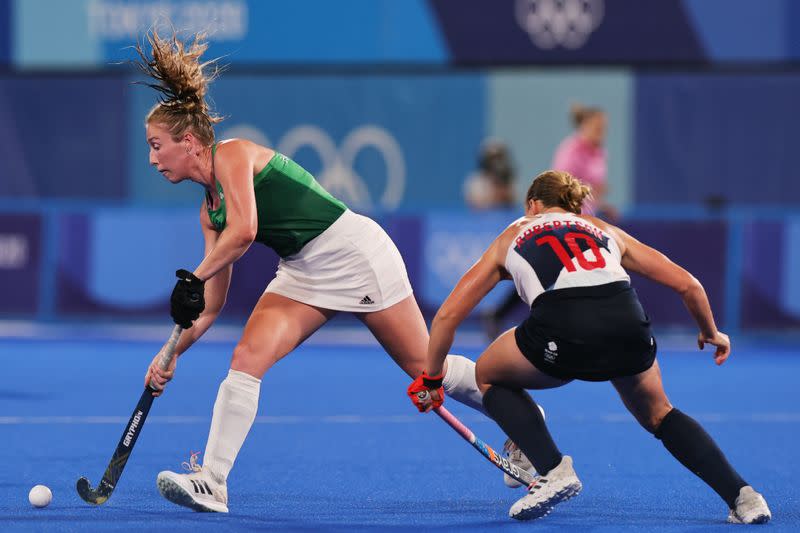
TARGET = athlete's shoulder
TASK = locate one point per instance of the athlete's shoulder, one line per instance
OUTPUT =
(598, 223)
(236, 144)
(226, 144)
(508, 235)
(243, 149)
(520, 223)
(614, 232)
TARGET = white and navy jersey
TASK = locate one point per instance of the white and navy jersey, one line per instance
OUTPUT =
(559, 251)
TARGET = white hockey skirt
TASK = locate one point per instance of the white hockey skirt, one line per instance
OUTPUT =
(352, 266)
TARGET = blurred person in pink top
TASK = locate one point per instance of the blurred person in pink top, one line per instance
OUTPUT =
(582, 154)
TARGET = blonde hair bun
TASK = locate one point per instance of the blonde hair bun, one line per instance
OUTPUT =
(555, 188)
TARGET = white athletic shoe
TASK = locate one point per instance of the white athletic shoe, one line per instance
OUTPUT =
(194, 490)
(751, 508)
(518, 459)
(560, 484)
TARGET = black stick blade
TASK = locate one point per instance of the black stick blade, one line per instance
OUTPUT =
(128, 439)
(121, 454)
(89, 495)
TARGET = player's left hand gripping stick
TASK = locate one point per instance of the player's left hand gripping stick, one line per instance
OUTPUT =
(129, 436)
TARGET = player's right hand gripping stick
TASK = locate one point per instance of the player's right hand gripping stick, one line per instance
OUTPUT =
(420, 392)
(187, 301)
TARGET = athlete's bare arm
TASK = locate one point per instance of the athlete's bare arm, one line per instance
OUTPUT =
(234, 170)
(216, 291)
(216, 288)
(649, 262)
(470, 289)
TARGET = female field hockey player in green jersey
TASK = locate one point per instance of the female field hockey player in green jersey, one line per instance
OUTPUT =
(331, 260)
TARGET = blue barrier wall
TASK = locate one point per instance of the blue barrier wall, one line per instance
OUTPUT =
(726, 136)
(389, 142)
(745, 30)
(143, 256)
(770, 272)
(63, 137)
(379, 143)
(376, 141)
(21, 265)
(698, 245)
(748, 263)
(5, 32)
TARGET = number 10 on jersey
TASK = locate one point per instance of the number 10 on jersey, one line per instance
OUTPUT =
(571, 239)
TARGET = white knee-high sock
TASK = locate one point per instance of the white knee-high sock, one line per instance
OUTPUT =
(459, 382)
(234, 412)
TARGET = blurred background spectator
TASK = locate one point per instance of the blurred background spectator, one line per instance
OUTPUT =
(491, 185)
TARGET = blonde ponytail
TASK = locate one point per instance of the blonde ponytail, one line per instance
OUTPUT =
(182, 82)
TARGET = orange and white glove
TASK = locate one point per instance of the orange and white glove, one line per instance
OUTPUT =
(426, 392)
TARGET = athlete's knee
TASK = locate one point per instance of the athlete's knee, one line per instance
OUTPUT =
(246, 358)
(410, 364)
(482, 375)
(656, 417)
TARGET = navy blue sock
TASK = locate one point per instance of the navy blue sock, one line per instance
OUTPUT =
(689, 443)
(518, 416)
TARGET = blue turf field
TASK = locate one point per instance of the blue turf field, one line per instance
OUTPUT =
(329, 451)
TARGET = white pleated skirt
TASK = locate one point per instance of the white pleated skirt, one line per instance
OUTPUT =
(352, 266)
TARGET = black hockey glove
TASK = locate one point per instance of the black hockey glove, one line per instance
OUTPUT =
(187, 301)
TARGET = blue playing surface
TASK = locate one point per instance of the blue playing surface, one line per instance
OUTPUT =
(337, 445)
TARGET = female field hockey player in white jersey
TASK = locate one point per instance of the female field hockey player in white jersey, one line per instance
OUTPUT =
(331, 260)
(585, 323)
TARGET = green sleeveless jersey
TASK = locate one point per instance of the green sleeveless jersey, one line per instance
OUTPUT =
(292, 206)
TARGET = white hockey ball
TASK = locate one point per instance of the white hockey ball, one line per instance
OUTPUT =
(40, 496)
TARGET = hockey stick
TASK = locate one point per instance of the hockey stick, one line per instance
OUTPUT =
(523, 476)
(128, 439)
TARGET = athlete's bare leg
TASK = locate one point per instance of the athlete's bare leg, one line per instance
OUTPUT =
(687, 441)
(276, 327)
(644, 396)
(402, 332)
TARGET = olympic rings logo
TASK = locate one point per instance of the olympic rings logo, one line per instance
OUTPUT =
(552, 23)
(338, 174)
(452, 252)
